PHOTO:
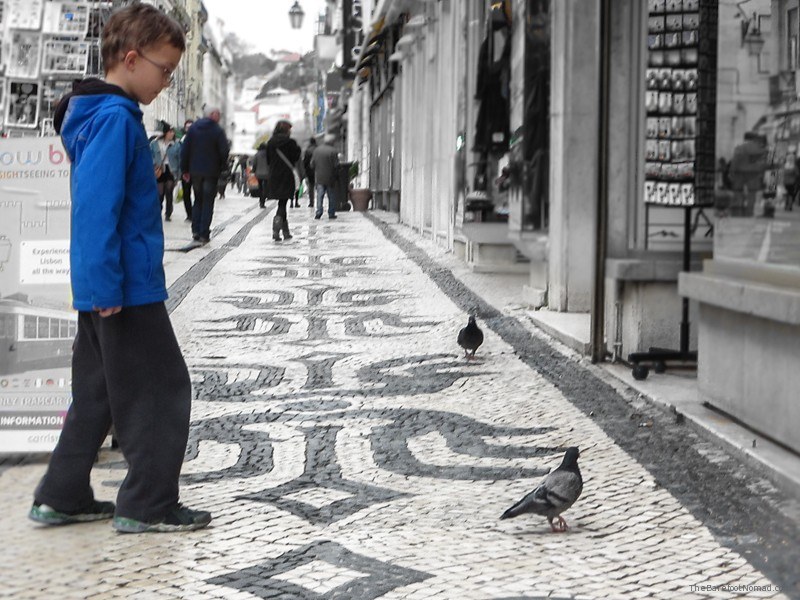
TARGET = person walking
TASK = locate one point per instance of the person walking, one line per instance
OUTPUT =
(282, 154)
(261, 170)
(325, 162)
(166, 164)
(203, 157)
(127, 366)
(310, 179)
(186, 178)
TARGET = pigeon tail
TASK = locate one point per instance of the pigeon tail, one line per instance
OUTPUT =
(520, 508)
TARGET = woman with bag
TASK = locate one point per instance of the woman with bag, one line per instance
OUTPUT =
(282, 181)
(166, 163)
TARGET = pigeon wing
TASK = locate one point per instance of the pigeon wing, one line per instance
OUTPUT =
(555, 494)
(462, 337)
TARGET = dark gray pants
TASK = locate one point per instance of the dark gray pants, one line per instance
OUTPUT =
(126, 369)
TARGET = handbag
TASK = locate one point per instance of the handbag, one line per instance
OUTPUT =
(291, 167)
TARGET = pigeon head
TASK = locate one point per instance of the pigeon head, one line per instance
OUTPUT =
(571, 457)
(472, 320)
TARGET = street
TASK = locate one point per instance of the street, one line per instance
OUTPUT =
(348, 450)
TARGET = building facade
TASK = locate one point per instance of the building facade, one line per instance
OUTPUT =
(605, 151)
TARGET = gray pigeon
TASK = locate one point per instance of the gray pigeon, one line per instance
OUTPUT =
(470, 338)
(555, 494)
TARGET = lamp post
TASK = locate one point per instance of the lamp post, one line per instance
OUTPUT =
(296, 15)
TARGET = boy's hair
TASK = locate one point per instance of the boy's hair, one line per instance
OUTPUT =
(136, 27)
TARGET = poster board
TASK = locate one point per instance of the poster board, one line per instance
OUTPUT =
(24, 14)
(66, 18)
(64, 56)
(37, 323)
(22, 109)
(24, 55)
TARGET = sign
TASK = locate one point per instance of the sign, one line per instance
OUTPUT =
(37, 322)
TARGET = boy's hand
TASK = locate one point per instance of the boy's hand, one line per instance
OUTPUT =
(107, 312)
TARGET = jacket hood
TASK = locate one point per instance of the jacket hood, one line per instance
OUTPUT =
(86, 87)
(88, 98)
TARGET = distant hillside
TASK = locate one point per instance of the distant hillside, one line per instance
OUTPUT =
(248, 65)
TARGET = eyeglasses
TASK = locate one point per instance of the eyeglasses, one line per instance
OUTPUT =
(166, 73)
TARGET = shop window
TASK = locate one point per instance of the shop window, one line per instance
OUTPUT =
(758, 134)
(536, 128)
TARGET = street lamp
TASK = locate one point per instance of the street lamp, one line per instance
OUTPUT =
(296, 15)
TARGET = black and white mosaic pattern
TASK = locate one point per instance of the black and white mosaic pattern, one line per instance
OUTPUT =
(347, 450)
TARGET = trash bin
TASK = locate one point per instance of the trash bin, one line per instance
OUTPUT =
(342, 184)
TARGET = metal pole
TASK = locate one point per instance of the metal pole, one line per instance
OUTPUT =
(597, 341)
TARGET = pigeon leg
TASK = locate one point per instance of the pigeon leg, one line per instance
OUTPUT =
(473, 354)
(562, 524)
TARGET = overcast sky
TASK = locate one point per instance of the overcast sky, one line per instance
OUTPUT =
(265, 23)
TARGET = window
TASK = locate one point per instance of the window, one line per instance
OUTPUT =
(30, 328)
(43, 327)
(792, 32)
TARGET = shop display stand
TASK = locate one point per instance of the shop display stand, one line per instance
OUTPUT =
(661, 358)
(680, 152)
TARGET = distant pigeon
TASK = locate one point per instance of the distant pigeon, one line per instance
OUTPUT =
(555, 494)
(470, 338)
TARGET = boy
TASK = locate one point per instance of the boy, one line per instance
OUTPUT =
(127, 367)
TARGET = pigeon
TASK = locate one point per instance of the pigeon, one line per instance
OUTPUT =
(470, 338)
(555, 494)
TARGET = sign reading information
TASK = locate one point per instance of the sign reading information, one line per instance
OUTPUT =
(37, 323)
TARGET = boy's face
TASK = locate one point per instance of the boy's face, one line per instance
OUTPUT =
(145, 73)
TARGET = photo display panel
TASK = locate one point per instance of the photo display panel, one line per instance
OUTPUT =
(680, 102)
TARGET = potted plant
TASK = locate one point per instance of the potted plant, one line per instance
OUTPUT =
(359, 197)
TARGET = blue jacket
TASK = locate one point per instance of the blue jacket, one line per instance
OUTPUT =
(204, 149)
(117, 239)
(173, 156)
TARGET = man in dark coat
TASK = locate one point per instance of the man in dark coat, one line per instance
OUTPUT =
(204, 156)
(282, 154)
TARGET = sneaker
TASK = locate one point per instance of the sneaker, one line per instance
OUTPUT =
(203, 240)
(179, 518)
(317, 216)
(168, 218)
(333, 217)
(195, 237)
(97, 511)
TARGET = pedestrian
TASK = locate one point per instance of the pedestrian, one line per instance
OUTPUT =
(791, 177)
(204, 156)
(126, 364)
(166, 164)
(186, 178)
(261, 170)
(241, 173)
(282, 154)
(325, 162)
(310, 180)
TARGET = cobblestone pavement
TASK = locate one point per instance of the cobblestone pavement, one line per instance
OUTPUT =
(347, 450)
